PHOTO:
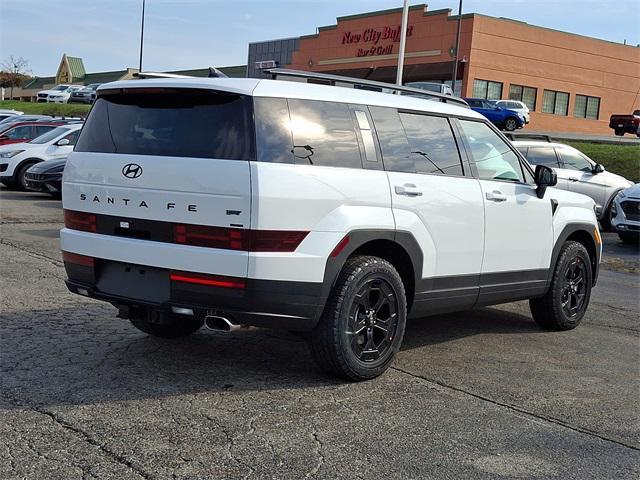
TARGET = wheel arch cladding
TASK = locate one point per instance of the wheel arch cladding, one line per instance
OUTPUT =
(399, 248)
(582, 233)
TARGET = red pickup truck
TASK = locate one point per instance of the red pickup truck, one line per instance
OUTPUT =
(622, 124)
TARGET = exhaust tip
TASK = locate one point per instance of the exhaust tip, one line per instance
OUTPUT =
(219, 324)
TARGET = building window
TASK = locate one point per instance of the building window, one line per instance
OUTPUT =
(586, 107)
(555, 102)
(526, 95)
(487, 89)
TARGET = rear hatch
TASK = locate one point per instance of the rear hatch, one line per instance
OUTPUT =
(155, 163)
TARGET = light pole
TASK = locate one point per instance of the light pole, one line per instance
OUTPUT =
(455, 58)
(403, 41)
(141, 36)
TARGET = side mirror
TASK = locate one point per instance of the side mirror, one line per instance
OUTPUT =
(62, 142)
(545, 177)
(598, 168)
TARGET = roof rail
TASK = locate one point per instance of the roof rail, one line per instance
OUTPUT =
(285, 72)
(143, 75)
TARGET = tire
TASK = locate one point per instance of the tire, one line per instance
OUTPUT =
(510, 124)
(555, 310)
(631, 238)
(20, 181)
(176, 326)
(369, 296)
(605, 221)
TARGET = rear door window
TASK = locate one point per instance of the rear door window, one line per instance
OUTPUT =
(395, 148)
(324, 134)
(542, 156)
(171, 122)
(433, 147)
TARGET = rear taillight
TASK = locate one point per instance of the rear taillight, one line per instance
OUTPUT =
(275, 240)
(238, 239)
(80, 221)
(208, 280)
(212, 237)
(83, 260)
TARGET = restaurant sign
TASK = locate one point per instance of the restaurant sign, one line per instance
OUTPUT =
(375, 36)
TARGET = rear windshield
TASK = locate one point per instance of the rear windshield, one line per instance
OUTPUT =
(171, 122)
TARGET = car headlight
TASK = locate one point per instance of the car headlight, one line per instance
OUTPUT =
(621, 194)
(10, 154)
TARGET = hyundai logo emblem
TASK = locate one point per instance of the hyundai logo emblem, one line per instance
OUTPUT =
(132, 170)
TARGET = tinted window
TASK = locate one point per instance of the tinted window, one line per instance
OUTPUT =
(432, 144)
(324, 134)
(171, 122)
(40, 129)
(50, 135)
(396, 152)
(542, 156)
(492, 156)
(574, 160)
(273, 132)
(19, 132)
(73, 137)
(474, 103)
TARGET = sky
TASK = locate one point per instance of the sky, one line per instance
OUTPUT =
(182, 34)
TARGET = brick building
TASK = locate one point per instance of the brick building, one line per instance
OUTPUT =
(571, 83)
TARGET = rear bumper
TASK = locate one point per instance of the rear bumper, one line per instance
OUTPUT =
(262, 303)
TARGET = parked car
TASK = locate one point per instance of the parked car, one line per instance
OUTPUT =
(622, 124)
(10, 111)
(14, 119)
(502, 118)
(625, 214)
(442, 88)
(17, 158)
(26, 131)
(577, 173)
(301, 206)
(84, 95)
(516, 106)
(46, 177)
(58, 94)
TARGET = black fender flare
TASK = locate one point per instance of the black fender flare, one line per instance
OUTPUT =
(358, 238)
(566, 232)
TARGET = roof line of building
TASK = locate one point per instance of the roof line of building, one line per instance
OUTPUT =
(442, 11)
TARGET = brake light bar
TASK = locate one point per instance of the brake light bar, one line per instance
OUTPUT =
(83, 260)
(208, 280)
(83, 221)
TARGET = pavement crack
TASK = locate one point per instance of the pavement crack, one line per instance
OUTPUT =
(83, 436)
(520, 410)
(31, 253)
(321, 459)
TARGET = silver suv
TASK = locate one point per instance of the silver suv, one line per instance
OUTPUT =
(577, 173)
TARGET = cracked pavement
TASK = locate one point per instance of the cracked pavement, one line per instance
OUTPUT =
(479, 394)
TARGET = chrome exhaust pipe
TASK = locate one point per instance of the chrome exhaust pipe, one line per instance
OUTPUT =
(219, 324)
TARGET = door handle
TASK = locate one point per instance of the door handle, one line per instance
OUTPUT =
(573, 179)
(408, 189)
(496, 196)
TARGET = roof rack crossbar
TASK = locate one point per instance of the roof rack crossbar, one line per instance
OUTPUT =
(285, 72)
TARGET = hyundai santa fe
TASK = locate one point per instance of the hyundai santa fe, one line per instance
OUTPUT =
(337, 211)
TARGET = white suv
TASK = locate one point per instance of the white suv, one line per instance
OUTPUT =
(300, 206)
(58, 94)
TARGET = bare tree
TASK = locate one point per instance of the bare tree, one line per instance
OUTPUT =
(15, 70)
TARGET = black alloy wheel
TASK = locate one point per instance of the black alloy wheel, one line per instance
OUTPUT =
(373, 320)
(574, 288)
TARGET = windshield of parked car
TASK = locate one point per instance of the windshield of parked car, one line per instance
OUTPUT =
(93, 86)
(60, 88)
(49, 136)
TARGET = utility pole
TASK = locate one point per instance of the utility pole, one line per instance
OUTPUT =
(141, 36)
(403, 41)
(455, 58)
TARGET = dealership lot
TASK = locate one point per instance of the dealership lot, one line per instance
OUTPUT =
(480, 394)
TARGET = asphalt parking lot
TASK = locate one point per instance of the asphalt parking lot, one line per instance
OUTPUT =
(481, 394)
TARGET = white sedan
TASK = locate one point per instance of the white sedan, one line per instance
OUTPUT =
(17, 158)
